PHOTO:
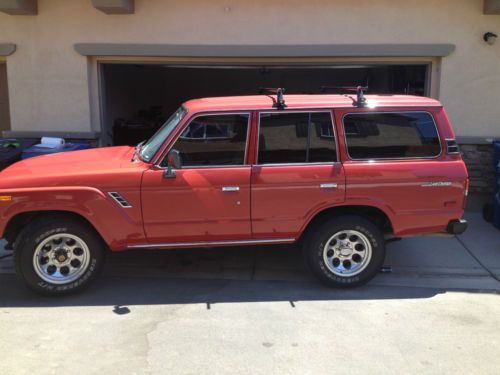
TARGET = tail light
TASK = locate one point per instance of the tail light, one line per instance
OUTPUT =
(466, 192)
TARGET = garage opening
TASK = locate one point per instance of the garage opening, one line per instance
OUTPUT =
(4, 99)
(138, 98)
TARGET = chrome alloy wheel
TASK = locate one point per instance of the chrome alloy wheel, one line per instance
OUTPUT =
(347, 253)
(61, 258)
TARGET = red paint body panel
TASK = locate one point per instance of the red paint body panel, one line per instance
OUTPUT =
(273, 202)
(192, 206)
(78, 182)
(286, 197)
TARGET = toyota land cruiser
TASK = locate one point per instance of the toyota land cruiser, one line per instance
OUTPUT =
(341, 174)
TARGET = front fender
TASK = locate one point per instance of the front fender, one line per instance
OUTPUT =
(117, 226)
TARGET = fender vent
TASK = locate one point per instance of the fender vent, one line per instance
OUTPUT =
(452, 147)
(121, 201)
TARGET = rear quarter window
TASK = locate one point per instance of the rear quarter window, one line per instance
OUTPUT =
(391, 135)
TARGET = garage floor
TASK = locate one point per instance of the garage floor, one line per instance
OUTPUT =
(256, 310)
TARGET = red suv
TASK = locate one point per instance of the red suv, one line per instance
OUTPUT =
(341, 174)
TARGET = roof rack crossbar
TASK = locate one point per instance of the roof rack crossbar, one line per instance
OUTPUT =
(360, 101)
(279, 102)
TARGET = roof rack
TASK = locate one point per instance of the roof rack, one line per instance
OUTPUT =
(360, 101)
(279, 102)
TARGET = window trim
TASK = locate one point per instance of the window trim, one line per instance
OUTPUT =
(205, 114)
(401, 158)
(330, 111)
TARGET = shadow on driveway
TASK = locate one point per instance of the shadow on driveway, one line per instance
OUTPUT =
(206, 276)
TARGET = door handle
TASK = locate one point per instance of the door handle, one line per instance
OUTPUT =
(329, 185)
(230, 188)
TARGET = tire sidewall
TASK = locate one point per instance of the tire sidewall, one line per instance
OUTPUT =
(34, 235)
(320, 238)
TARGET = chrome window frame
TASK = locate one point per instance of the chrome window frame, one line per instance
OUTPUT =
(401, 158)
(202, 114)
(330, 111)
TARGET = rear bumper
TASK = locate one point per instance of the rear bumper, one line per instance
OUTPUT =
(457, 226)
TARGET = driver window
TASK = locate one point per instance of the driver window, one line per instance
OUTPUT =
(214, 140)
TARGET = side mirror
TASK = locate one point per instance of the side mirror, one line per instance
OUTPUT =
(173, 163)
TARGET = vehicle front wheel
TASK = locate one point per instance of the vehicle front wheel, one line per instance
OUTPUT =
(56, 256)
(345, 252)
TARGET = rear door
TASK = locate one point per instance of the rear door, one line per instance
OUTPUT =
(296, 171)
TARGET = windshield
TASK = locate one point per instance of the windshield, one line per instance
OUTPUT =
(149, 149)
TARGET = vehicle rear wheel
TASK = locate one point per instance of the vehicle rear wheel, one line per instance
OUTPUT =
(58, 255)
(345, 252)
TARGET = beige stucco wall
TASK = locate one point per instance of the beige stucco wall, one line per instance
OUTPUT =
(49, 81)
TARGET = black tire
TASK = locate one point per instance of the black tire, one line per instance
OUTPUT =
(43, 228)
(315, 243)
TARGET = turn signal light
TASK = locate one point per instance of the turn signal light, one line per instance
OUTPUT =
(5, 198)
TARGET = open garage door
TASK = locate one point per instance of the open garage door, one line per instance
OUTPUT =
(137, 98)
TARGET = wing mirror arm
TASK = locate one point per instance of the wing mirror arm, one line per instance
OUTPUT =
(173, 163)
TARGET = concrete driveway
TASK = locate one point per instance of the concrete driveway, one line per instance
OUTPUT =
(257, 310)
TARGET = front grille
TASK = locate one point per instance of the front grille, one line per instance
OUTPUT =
(121, 201)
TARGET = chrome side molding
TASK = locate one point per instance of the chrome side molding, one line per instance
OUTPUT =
(210, 243)
(436, 184)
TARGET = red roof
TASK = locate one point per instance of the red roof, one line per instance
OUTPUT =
(309, 101)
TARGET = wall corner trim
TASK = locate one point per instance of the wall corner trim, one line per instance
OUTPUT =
(283, 50)
(7, 49)
(19, 7)
(115, 6)
(491, 7)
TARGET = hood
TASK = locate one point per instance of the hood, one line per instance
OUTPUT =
(66, 168)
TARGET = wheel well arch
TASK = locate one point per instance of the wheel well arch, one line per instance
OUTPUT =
(20, 220)
(374, 214)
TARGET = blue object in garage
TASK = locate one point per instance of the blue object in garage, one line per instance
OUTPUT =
(12, 148)
(39, 150)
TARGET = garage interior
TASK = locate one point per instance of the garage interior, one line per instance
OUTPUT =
(137, 98)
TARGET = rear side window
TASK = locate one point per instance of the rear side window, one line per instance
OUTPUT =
(296, 138)
(391, 135)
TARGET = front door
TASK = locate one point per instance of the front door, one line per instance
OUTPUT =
(209, 198)
(296, 174)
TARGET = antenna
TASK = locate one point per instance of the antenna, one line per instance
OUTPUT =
(279, 102)
(360, 101)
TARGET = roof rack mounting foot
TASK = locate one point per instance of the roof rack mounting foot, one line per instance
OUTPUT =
(279, 102)
(360, 101)
(360, 97)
